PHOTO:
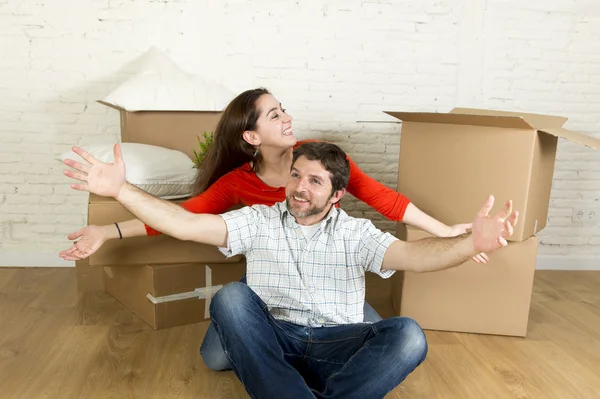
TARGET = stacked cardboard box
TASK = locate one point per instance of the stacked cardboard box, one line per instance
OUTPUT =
(165, 281)
(449, 164)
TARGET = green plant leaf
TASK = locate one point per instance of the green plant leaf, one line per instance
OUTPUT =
(203, 147)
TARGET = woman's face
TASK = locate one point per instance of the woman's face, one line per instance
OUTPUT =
(274, 126)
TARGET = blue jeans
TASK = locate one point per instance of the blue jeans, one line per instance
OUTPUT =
(276, 359)
(212, 352)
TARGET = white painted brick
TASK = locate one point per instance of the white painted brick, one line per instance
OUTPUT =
(12, 178)
(594, 241)
(560, 221)
(44, 228)
(7, 158)
(564, 240)
(577, 185)
(331, 64)
(555, 211)
(553, 250)
(66, 189)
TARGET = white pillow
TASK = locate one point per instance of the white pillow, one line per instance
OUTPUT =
(159, 84)
(162, 172)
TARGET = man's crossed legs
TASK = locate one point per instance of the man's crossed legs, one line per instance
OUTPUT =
(211, 349)
(274, 358)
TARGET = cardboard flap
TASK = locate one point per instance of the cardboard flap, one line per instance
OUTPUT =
(510, 122)
(538, 121)
(575, 137)
(110, 105)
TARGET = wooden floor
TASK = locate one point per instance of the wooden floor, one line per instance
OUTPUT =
(58, 343)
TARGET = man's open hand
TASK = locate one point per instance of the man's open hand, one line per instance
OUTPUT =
(489, 232)
(105, 179)
(464, 228)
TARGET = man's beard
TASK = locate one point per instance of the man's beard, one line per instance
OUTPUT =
(312, 210)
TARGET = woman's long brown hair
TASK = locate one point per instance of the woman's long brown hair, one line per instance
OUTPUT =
(229, 150)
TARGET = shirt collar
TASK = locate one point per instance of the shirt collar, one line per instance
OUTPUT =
(285, 213)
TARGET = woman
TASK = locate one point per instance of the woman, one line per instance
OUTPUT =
(249, 163)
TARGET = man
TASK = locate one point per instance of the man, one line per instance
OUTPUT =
(295, 329)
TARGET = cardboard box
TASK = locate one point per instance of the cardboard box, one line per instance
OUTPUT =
(450, 163)
(171, 129)
(88, 279)
(173, 295)
(378, 294)
(176, 130)
(494, 298)
(145, 249)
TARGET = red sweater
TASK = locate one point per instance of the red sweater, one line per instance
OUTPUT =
(242, 186)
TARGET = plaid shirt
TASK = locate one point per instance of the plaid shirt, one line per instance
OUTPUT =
(315, 283)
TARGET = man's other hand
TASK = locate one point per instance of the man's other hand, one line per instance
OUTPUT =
(105, 179)
(489, 232)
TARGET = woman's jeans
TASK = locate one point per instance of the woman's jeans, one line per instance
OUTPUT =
(275, 359)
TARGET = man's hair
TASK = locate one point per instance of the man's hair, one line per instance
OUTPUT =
(333, 159)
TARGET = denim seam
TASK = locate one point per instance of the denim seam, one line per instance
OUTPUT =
(374, 329)
(349, 337)
(286, 333)
(324, 360)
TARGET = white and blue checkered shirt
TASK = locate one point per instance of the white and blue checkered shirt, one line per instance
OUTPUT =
(315, 283)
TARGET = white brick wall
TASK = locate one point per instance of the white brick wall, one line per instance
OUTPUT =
(330, 62)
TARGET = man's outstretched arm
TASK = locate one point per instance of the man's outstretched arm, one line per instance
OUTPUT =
(489, 233)
(172, 219)
(108, 180)
(428, 254)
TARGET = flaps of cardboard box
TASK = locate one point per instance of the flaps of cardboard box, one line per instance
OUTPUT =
(573, 136)
(535, 120)
(511, 122)
(548, 124)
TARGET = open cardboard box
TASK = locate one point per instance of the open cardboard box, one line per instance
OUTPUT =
(494, 298)
(176, 130)
(450, 162)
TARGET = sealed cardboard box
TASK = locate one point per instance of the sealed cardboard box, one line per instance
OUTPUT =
(378, 294)
(176, 130)
(88, 279)
(494, 298)
(173, 295)
(450, 162)
(146, 249)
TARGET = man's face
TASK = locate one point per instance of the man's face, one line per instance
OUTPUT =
(308, 192)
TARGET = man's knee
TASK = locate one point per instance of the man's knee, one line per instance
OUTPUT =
(214, 357)
(229, 301)
(410, 341)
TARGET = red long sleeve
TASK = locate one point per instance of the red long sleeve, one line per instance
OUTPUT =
(383, 199)
(240, 186)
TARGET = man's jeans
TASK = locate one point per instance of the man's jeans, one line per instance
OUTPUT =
(211, 349)
(276, 359)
